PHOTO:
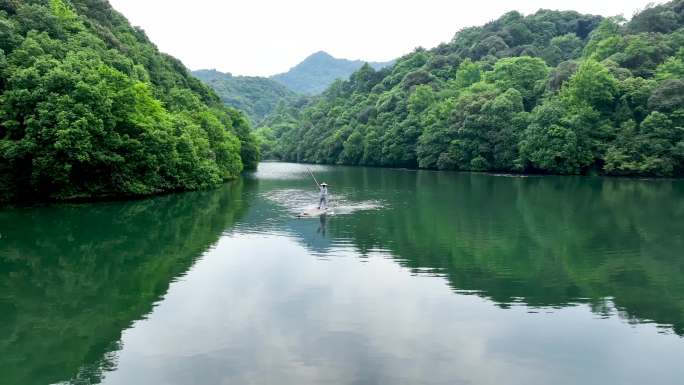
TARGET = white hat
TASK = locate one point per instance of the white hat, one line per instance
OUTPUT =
(324, 184)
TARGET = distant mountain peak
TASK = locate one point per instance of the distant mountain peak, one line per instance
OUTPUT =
(320, 54)
(318, 71)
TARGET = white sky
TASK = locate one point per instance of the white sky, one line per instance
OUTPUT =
(265, 37)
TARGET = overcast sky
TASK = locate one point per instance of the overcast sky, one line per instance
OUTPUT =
(265, 37)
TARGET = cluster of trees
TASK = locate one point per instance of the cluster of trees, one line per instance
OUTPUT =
(89, 108)
(553, 92)
(255, 96)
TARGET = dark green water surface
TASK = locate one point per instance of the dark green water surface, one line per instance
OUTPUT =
(419, 278)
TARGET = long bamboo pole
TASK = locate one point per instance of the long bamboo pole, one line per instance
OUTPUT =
(314, 178)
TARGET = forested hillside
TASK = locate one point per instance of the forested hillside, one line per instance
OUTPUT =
(553, 92)
(318, 71)
(256, 96)
(90, 108)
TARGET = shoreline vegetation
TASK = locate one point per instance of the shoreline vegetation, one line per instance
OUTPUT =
(89, 108)
(491, 172)
(555, 92)
(113, 198)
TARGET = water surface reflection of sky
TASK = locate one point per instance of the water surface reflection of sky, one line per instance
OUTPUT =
(260, 309)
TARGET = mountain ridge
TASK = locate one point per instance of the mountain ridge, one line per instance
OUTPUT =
(319, 70)
(259, 96)
(254, 95)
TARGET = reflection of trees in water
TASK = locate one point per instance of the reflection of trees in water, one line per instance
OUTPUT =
(548, 241)
(73, 277)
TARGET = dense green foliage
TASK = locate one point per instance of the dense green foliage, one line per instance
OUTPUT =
(283, 119)
(256, 96)
(318, 71)
(552, 92)
(90, 108)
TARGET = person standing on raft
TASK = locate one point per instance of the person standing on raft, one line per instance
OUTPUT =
(323, 201)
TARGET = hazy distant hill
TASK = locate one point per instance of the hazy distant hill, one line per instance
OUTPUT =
(256, 96)
(318, 71)
(259, 96)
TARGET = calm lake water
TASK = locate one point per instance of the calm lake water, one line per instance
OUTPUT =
(419, 278)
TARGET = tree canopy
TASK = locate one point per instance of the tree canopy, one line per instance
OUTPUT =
(256, 96)
(552, 92)
(90, 108)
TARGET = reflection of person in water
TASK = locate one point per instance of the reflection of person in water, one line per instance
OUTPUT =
(321, 228)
